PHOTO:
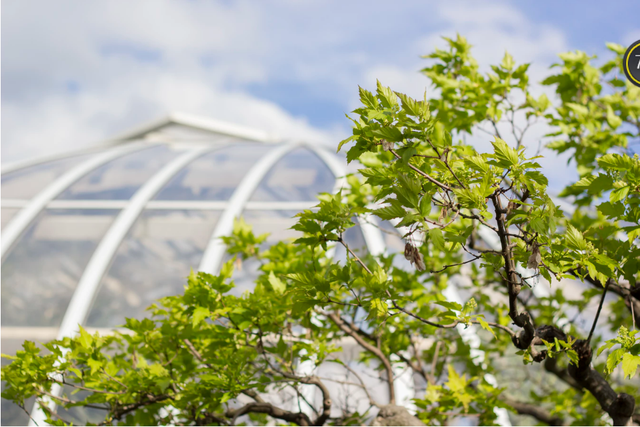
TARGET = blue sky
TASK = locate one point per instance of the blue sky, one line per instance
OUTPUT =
(75, 72)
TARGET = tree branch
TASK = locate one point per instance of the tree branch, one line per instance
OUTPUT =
(535, 411)
(523, 320)
(369, 347)
(299, 418)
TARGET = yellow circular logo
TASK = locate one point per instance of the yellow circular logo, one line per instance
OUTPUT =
(631, 63)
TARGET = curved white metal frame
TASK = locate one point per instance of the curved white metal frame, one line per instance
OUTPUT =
(21, 221)
(21, 164)
(216, 248)
(337, 168)
(101, 259)
(102, 256)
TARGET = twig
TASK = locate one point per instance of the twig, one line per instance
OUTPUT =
(595, 320)
(633, 315)
(433, 180)
(114, 379)
(354, 255)
(456, 264)
(454, 324)
(27, 412)
(72, 402)
(367, 346)
(92, 390)
(195, 353)
(372, 402)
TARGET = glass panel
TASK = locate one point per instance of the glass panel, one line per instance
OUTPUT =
(7, 214)
(298, 176)
(27, 182)
(214, 176)
(120, 178)
(152, 262)
(12, 414)
(41, 272)
(278, 223)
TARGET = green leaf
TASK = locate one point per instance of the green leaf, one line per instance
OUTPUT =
(455, 382)
(614, 359)
(386, 95)
(158, 370)
(85, 340)
(613, 120)
(469, 307)
(612, 210)
(199, 314)
(616, 48)
(408, 153)
(95, 365)
(538, 225)
(277, 284)
(377, 308)
(507, 62)
(619, 194)
(573, 356)
(437, 239)
(451, 305)
(345, 141)
(395, 210)
(485, 326)
(607, 346)
(367, 98)
(537, 177)
(389, 133)
(614, 161)
(575, 239)
(580, 110)
(630, 365)
(506, 156)
(302, 306)
(477, 163)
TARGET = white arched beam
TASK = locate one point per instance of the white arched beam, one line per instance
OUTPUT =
(21, 221)
(216, 248)
(101, 259)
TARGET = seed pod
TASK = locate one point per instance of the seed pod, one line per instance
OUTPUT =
(443, 214)
(413, 255)
(535, 258)
(408, 251)
(419, 262)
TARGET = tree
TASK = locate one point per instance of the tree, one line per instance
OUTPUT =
(209, 357)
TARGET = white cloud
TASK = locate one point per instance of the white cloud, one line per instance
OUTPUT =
(134, 61)
(118, 90)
